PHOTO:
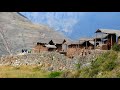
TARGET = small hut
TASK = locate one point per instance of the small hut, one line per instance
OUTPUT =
(40, 46)
(59, 43)
(74, 44)
(112, 37)
(87, 43)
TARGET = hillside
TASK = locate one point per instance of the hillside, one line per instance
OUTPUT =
(18, 32)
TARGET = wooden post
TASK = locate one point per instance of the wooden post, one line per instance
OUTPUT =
(95, 41)
(102, 38)
(116, 39)
(86, 44)
(111, 41)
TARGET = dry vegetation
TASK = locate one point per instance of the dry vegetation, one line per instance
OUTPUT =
(106, 65)
(22, 72)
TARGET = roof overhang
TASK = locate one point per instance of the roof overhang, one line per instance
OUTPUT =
(107, 31)
(50, 46)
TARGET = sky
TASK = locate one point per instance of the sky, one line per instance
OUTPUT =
(76, 24)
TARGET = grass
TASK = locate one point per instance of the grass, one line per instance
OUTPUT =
(116, 47)
(22, 72)
(104, 66)
(54, 74)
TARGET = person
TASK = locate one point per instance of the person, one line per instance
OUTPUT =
(22, 51)
(29, 51)
(26, 50)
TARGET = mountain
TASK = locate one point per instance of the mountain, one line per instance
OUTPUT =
(18, 32)
(76, 24)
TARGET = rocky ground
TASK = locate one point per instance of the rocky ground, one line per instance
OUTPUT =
(51, 61)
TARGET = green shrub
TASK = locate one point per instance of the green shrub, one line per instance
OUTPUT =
(78, 65)
(112, 55)
(107, 60)
(109, 65)
(84, 73)
(103, 63)
(97, 62)
(116, 47)
(54, 74)
(93, 72)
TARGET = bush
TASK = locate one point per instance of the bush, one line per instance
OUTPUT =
(116, 47)
(104, 63)
(109, 65)
(93, 72)
(78, 65)
(54, 74)
(84, 73)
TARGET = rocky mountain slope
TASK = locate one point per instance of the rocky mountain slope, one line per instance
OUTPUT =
(17, 32)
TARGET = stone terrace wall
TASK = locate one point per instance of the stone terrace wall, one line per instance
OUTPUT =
(51, 61)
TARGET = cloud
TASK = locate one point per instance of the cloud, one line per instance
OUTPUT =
(60, 21)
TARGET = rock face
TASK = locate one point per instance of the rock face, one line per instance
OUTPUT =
(19, 32)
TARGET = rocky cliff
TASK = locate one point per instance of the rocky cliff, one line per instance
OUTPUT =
(17, 32)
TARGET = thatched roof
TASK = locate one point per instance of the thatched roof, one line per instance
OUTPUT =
(109, 31)
(86, 39)
(81, 42)
(58, 41)
(50, 46)
(75, 42)
(92, 42)
(100, 36)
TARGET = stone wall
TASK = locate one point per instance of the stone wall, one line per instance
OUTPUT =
(51, 61)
